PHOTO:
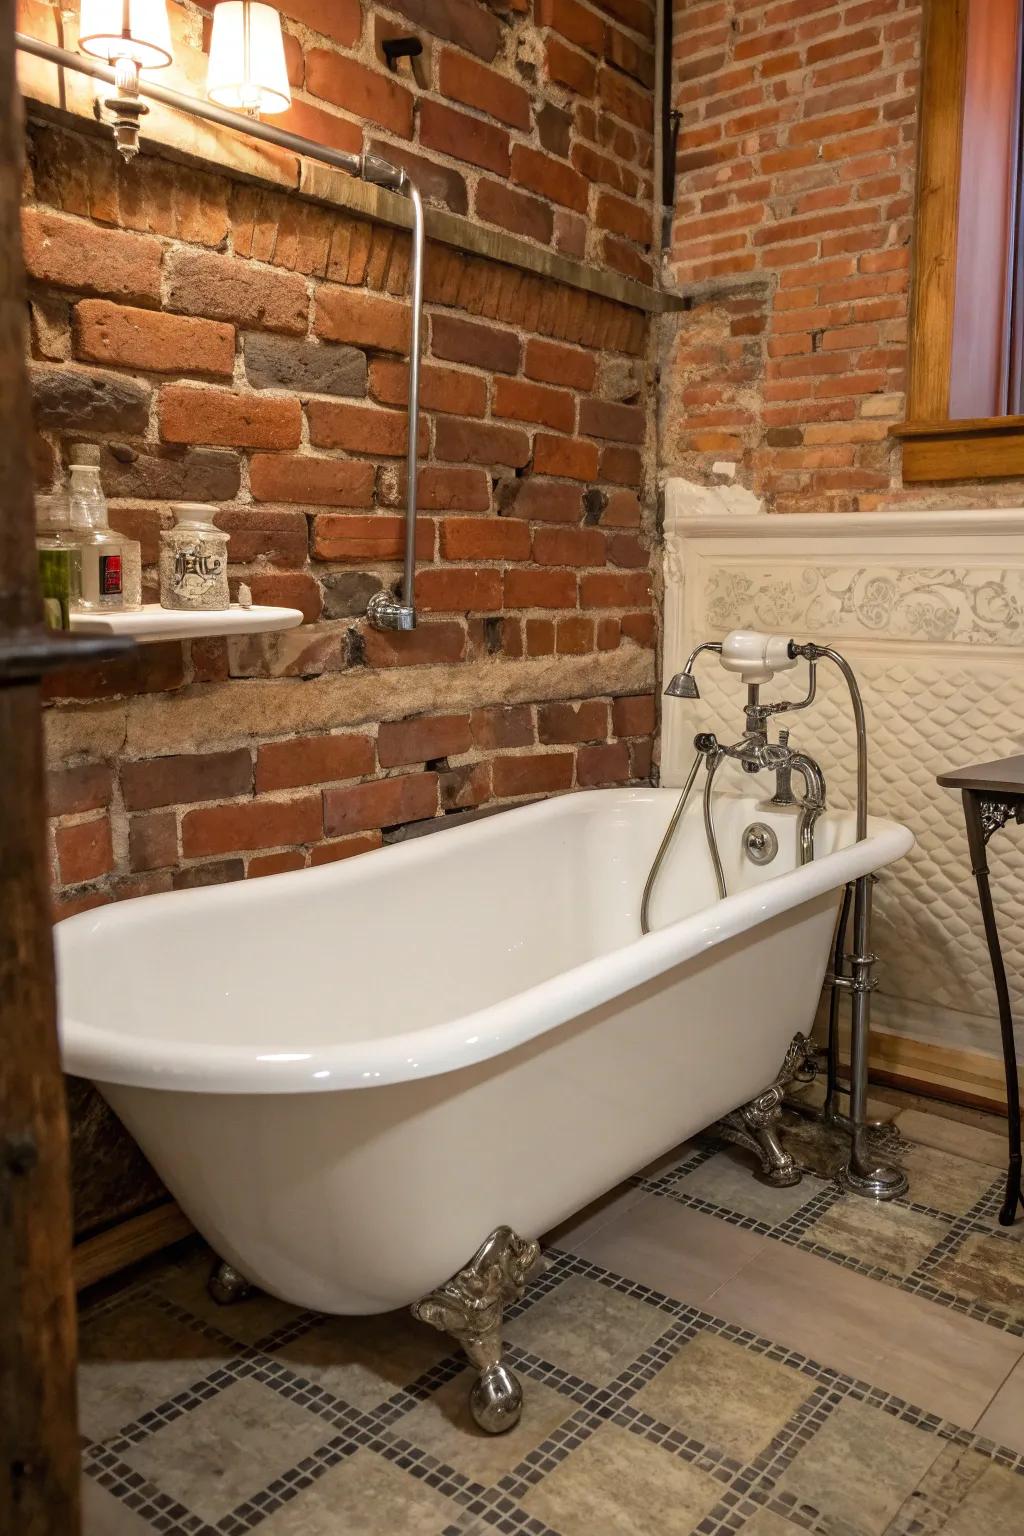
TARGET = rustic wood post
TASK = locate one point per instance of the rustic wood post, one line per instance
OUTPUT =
(39, 1468)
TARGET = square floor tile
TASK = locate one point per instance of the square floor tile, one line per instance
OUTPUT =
(765, 1523)
(993, 1504)
(443, 1426)
(247, 1321)
(619, 1484)
(664, 1245)
(725, 1395)
(228, 1448)
(365, 1495)
(945, 1181)
(859, 1468)
(365, 1360)
(970, 1141)
(103, 1515)
(989, 1269)
(588, 1329)
(729, 1179)
(890, 1236)
(593, 1217)
(1003, 1419)
(133, 1359)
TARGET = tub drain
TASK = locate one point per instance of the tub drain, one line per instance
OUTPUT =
(759, 843)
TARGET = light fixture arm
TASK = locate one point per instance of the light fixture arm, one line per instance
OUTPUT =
(385, 611)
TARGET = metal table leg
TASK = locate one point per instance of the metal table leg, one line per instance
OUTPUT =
(978, 833)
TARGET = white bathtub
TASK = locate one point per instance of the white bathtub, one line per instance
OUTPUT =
(349, 1076)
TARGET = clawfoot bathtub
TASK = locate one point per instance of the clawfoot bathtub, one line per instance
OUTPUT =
(349, 1076)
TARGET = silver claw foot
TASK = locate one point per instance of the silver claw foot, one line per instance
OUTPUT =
(226, 1285)
(756, 1125)
(471, 1306)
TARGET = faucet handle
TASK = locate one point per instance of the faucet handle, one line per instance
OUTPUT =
(784, 737)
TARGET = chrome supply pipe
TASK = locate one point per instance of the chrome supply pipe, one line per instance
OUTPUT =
(385, 611)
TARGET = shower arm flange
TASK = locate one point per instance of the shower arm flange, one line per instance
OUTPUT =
(386, 612)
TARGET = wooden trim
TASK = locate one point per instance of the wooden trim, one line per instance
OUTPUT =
(957, 1076)
(965, 427)
(138, 1238)
(964, 451)
(938, 197)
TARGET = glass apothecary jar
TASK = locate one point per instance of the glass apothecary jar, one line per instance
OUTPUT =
(60, 560)
(194, 560)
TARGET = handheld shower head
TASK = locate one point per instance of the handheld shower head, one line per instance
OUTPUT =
(683, 686)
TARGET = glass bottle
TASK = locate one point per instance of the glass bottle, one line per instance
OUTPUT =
(194, 560)
(60, 561)
(111, 563)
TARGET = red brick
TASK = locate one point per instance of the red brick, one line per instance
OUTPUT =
(286, 589)
(458, 589)
(478, 442)
(574, 636)
(365, 429)
(367, 93)
(400, 742)
(498, 203)
(522, 401)
(503, 726)
(147, 338)
(577, 23)
(565, 456)
(274, 536)
(549, 178)
(338, 19)
(442, 488)
(554, 364)
(549, 501)
(628, 552)
(229, 288)
(465, 786)
(540, 637)
(621, 510)
(191, 414)
(607, 590)
(429, 643)
(275, 863)
(153, 841)
(314, 482)
(72, 790)
(322, 126)
(85, 851)
(365, 319)
(558, 723)
(608, 634)
(605, 764)
(261, 823)
(441, 389)
(313, 760)
(641, 628)
(535, 774)
(484, 346)
(569, 546)
(463, 79)
(344, 848)
(634, 716)
(72, 253)
(384, 803)
(157, 781)
(485, 538)
(347, 537)
(606, 418)
(624, 466)
(464, 137)
(566, 66)
(540, 589)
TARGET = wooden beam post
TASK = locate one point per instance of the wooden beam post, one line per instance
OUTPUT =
(39, 1465)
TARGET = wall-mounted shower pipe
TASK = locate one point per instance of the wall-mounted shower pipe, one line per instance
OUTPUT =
(385, 611)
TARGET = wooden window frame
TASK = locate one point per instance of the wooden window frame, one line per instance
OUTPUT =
(936, 448)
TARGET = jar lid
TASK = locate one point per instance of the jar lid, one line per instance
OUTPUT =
(196, 514)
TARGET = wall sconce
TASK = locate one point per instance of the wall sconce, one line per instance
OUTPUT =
(247, 70)
(130, 35)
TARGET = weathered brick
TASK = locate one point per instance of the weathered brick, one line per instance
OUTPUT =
(621, 510)
(532, 774)
(386, 803)
(458, 589)
(365, 319)
(227, 288)
(564, 456)
(321, 125)
(605, 589)
(437, 183)
(360, 428)
(606, 418)
(463, 79)
(577, 23)
(312, 481)
(608, 763)
(574, 636)
(503, 726)
(552, 363)
(274, 863)
(169, 473)
(634, 716)
(498, 203)
(441, 389)
(153, 841)
(340, 20)
(261, 823)
(477, 442)
(422, 740)
(262, 533)
(522, 401)
(85, 788)
(341, 536)
(367, 93)
(282, 362)
(482, 345)
(157, 781)
(548, 177)
(527, 588)
(146, 338)
(428, 644)
(566, 66)
(287, 589)
(445, 488)
(561, 723)
(313, 760)
(485, 538)
(190, 414)
(85, 850)
(549, 501)
(465, 786)
(462, 22)
(347, 593)
(569, 546)
(464, 137)
(344, 848)
(86, 400)
(72, 253)
(624, 466)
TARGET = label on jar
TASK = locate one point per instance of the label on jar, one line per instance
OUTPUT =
(110, 575)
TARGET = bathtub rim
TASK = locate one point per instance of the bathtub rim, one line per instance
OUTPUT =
(107, 1055)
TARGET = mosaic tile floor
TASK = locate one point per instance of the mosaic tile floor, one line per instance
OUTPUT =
(704, 1355)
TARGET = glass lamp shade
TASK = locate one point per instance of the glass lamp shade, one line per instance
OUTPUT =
(126, 29)
(247, 69)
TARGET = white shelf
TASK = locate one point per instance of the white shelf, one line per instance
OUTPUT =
(151, 622)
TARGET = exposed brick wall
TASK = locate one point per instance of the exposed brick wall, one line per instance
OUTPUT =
(795, 177)
(242, 346)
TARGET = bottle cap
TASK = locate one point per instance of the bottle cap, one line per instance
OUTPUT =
(194, 513)
(87, 454)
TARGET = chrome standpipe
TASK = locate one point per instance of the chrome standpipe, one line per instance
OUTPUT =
(385, 610)
(471, 1307)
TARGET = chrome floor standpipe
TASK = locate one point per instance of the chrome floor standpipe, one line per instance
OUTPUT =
(385, 610)
(756, 658)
